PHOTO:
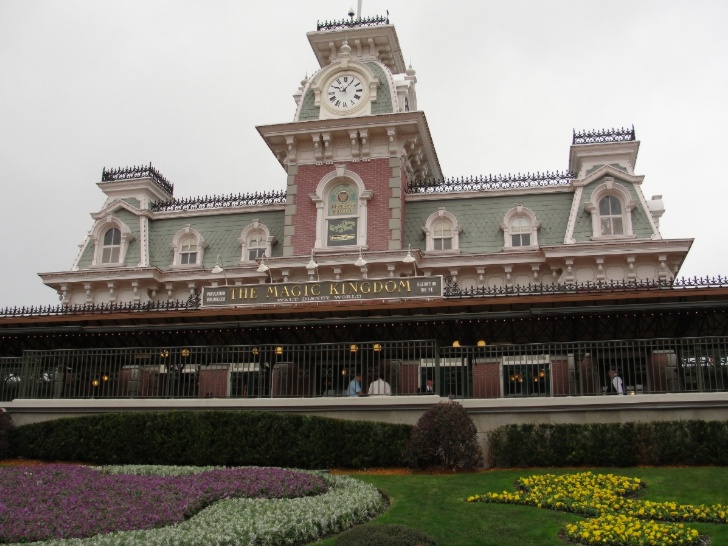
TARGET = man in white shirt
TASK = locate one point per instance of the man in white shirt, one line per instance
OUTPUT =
(380, 387)
(617, 383)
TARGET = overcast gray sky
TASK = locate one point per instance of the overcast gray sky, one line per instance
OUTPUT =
(182, 83)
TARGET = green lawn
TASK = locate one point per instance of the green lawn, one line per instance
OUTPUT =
(436, 505)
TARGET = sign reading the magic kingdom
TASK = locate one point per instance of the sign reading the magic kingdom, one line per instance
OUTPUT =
(323, 291)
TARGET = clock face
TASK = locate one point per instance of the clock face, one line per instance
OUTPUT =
(345, 92)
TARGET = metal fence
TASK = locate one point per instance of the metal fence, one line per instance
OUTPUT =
(372, 368)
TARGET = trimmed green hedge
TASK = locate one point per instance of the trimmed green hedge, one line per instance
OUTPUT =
(6, 427)
(610, 444)
(230, 438)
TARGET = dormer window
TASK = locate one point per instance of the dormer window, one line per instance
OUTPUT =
(111, 249)
(520, 228)
(256, 242)
(442, 232)
(110, 237)
(520, 231)
(610, 216)
(611, 207)
(256, 246)
(189, 247)
(188, 251)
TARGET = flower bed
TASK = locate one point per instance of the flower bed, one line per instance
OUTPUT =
(83, 498)
(616, 519)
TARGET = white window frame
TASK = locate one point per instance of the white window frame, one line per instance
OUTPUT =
(519, 211)
(610, 188)
(429, 228)
(248, 233)
(180, 237)
(97, 237)
(327, 184)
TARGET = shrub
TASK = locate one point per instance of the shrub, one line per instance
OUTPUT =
(6, 426)
(610, 444)
(445, 435)
(384, 535)
(227, 438)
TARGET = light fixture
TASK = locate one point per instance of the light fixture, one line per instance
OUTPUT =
(344, 372)
(255, 351)
(185, 352)
(377, 347)
(263, 268)
(104, 377)
(456, 343)
(409, 259)
(164, 354)
(94, 382)
(353, 348)
(312, 264)
(481, 343)
(279, 350)
(360, 262)
(219, 269)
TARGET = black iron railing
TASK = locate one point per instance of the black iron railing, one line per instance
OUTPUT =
(352, 23)
(193, 302)
(348, 370)
(491, 183)
(604, 135)
(144, 171)
(451, 290)
(222, 201)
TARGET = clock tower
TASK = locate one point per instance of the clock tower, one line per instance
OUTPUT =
(355, 142)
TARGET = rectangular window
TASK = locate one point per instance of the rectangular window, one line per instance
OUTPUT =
(255, 253)
(187, 258)
(110, 255)
(442, 244)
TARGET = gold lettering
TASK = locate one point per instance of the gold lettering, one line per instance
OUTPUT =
(378, 287)
(332, 290)
(365, 287)
(404, 285)
(390, 286)
(316, 290)
(296, 290)
(272, 291)
(354, 287)
(285, 293)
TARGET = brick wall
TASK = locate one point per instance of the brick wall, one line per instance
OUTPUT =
(375, 174)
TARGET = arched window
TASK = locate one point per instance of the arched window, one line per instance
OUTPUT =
(442, 234)
(188, 250)
(189, 246)
(341, 210)
(520, 231)
(611, 207)
(520, 228)
(610, 216)
(110, 237)
(111, 249)
(256, 242)
(442, 231)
